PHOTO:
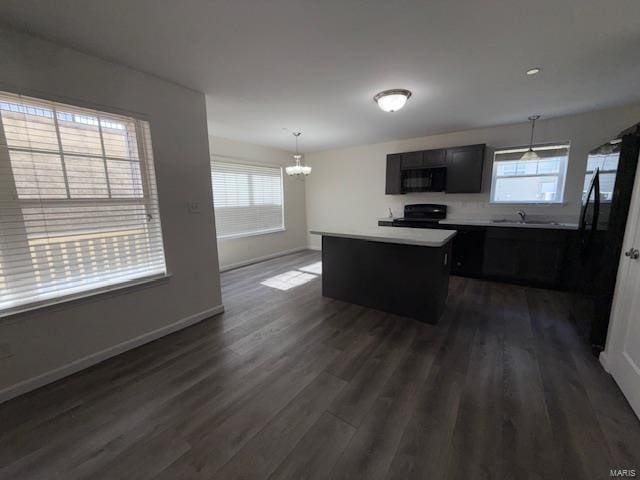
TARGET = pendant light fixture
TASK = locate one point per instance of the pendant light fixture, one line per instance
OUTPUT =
(298, 170)
(530, 154)
(392, 100)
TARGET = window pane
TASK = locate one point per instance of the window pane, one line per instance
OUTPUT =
(76, 237)
(548, 166)
(611, 162)
(76, 247)
(125, 179)
(247, 198)
(536, 189)
(29, 127)
(607, 182)
(38, 175)
(119, 139)
(603, 162)
(521, 181)
(86, 177)
(266, 190)
(79, 133)
(529, 167)
(231, 189)
(608, 165)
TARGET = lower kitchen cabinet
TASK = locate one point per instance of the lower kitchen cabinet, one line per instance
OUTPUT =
(467, 252)
(527, 256)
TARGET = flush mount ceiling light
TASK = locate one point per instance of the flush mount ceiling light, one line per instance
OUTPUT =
(298, 170)
(530, 154)
(533, 71)
(392, 100)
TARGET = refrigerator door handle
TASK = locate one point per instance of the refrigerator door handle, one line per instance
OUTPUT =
(587, 230)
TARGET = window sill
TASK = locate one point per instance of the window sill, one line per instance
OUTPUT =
(68, 301)
(540, 204)
(252, 234)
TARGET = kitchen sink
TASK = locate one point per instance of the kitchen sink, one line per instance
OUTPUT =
(526, 222)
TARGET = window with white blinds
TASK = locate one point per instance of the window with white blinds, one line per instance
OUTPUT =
(248, 199)
(78, 203)
(537, 180)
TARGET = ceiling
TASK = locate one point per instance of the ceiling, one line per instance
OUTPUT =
(314, 65)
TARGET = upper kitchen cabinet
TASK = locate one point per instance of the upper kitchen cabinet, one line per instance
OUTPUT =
(434, 158)
(394, 178)
(452, 170)
(410, 160)
(464, 169)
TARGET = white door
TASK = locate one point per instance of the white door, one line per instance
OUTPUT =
(621, 357)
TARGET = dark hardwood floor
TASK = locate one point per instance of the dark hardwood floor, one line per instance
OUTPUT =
(288, 384)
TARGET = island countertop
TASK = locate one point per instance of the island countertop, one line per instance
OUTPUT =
(425, 237)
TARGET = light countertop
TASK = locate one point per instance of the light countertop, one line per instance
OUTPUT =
(507, 224)
(425, 237)
(512, 224)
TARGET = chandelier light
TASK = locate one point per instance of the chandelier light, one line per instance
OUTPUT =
(298, 169)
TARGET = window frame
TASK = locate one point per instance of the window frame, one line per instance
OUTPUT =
(283, 228)
(148, 193)
(561, 175)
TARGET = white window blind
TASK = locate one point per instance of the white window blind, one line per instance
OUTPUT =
(541, 180)
(247, 199)
(78, 202)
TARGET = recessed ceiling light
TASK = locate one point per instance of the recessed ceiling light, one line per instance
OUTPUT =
(534, 71)
(392, 100)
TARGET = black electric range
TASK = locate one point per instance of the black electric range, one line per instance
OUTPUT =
(421, 215)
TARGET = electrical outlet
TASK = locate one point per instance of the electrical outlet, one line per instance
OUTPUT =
(193, 207)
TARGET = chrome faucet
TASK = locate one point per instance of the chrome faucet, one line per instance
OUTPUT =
(523, 215)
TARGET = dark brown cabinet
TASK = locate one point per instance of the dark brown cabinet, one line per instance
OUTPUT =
(434, 158)
(394, 175)
(538, 257)
(464, 169)
(461, 166)
(412, 160)
(467, 252)
(528, 256)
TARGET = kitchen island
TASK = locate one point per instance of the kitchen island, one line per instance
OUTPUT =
(404, 271)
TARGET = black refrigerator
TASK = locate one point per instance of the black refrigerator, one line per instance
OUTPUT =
(608, 185)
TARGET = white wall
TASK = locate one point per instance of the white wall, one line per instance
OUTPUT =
(43, 345)
(240, 251)
(346, 188)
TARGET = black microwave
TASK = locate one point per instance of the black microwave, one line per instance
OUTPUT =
(424, 180)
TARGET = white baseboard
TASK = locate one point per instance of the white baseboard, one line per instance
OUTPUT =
(251, 261)
(85, 362)
(313, 247)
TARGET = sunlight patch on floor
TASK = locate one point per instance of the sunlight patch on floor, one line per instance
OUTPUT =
(312, 268)
(286, 281)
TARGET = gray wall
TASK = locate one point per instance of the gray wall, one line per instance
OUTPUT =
(239, 251)
(346, 189)
(43, 345)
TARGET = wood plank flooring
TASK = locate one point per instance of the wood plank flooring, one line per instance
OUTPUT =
(288, 384)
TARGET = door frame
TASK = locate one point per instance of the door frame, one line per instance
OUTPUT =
(623, 294)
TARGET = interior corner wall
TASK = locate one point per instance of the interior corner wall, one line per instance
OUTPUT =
(43, 345)
(235, 252)
(346, 188)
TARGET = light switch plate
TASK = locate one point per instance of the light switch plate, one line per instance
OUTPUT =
(193, 207)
